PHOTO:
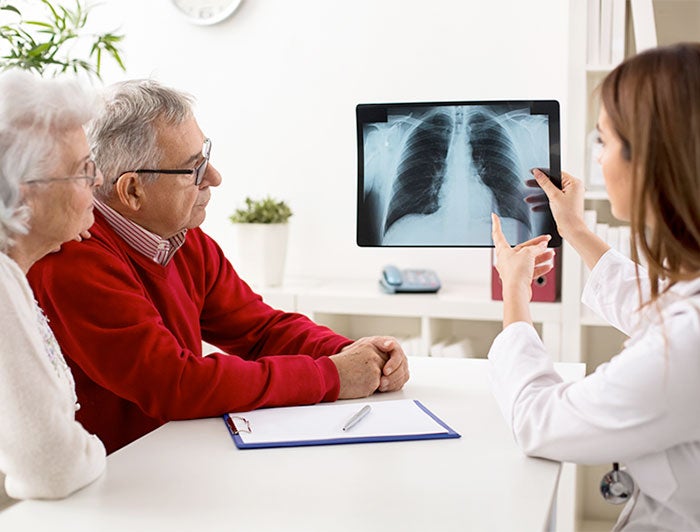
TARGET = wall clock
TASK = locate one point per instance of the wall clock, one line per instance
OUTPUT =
(206, 12)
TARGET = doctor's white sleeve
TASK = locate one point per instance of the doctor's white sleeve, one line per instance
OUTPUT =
(639, 402)
(612, 291)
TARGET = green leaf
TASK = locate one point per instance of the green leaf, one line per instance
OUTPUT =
(8, 7)
(47, 3)
(39, 50)
(38, 23)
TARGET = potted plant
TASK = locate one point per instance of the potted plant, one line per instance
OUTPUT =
(261, 232)
(47, 46)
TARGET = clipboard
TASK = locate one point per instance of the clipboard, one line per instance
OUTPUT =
(321, 424)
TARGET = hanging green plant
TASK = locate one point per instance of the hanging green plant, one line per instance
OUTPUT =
(46, 46)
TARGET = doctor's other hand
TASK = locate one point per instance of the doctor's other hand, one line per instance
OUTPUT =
(518, 266)
(566, 204)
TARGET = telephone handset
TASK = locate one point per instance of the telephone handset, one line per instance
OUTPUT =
(394, 280)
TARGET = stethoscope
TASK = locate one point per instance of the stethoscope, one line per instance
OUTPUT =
(616, 486)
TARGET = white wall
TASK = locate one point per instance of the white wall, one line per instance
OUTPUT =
(277, 85)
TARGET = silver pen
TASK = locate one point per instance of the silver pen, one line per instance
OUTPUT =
(356, 418)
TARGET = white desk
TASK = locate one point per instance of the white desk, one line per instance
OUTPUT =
(189, 475)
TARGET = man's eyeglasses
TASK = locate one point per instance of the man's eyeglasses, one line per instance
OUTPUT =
(89, 175)
(199, 169)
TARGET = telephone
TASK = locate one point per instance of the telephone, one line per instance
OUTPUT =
(394, 280)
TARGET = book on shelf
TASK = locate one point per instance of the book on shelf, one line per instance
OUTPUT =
(625, 241)
(601, 229)
(590, 216)
(606, 17)
(452, 348)
(411, 345)
(644, 22)
(593, 32)
(617, 39)
(614, 237)
(617, 236)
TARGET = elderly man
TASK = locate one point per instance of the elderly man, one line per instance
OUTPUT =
(131, 306)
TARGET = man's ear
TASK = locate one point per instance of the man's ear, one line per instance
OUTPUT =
(130, 191)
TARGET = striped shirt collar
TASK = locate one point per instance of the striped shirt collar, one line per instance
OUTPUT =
(160, 250)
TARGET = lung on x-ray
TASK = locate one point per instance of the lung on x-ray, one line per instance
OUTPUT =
(431, 174)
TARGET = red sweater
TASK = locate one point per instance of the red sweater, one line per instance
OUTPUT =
(132, 333)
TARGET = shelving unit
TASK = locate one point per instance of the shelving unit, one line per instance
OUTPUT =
(359, 308)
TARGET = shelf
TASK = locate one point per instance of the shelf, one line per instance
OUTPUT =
(596, 194)
(364, 297)
(457, 313)
(599, 69)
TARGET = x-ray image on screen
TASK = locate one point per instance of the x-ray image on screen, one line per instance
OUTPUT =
(432, 174)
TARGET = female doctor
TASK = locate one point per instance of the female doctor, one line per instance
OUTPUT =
(641, 409)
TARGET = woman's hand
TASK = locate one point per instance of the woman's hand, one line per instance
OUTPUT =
(517, 267)
(567, 208)
(566, 204)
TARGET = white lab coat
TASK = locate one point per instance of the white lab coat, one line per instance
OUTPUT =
(641, 409)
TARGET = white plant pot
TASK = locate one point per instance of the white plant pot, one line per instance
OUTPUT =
(261, 252)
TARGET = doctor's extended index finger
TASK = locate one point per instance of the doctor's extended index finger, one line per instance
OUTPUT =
(499, 239)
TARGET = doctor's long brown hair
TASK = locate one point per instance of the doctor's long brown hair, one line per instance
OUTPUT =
(653, 101)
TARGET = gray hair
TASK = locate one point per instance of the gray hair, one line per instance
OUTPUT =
(34, 112)
(124, 136)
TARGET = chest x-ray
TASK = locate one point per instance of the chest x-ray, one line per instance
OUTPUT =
(431, 174)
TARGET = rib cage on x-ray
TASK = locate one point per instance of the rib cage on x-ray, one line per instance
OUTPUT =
(492, 149)
(421, 170)
(497, 165)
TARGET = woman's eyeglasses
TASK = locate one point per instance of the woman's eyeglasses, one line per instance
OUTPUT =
(89, 175)
(199, 169)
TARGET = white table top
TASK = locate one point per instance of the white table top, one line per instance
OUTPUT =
(189, 475)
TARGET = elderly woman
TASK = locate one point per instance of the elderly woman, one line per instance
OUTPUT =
(46, 184)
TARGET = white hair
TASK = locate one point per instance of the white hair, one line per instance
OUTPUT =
(34, 113)
(124, 136)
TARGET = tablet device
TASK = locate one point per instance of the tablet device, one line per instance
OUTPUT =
(430, 174)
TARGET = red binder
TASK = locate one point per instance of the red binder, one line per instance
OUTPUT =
(546, 288)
